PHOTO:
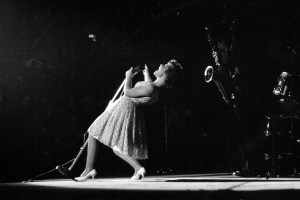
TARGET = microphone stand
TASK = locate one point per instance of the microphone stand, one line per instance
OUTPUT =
(167, 121)
(67, 172)
(166, 169)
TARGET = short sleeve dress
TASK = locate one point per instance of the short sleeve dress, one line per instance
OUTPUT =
(122, 126)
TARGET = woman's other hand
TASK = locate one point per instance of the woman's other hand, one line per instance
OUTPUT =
(146, 71)
(146, 74)
(129, 73)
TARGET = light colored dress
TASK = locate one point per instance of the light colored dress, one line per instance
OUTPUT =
(122, 126)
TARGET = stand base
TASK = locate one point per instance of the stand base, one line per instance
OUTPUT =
(66, 172)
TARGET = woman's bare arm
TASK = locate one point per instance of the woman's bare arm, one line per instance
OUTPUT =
(140, 91)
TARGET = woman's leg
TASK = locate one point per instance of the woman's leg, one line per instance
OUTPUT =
(92, 151)
(131, 161)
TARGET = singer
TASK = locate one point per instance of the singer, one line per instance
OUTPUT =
(122, 126)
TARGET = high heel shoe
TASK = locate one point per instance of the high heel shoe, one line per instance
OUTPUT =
(139, 174)
(92, 174)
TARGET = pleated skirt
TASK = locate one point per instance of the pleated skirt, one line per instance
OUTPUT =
(122, 128)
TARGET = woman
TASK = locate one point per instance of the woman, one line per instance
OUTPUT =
(122, 127)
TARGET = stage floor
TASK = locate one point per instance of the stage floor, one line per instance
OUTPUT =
(203, 186)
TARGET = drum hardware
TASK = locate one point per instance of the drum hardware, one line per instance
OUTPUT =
(294, 116)
(283, 127)
(283, 144)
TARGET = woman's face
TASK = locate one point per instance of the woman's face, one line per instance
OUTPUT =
(160, 72)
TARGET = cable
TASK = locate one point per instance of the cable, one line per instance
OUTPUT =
(44, 173)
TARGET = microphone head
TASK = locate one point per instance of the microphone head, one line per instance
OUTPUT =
(136, 69)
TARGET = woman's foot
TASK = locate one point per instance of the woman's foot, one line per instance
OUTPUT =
(139, 174)
(84, 176)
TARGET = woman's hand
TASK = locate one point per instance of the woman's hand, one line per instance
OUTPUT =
(146, 74)
(129, 73)
(146, 71)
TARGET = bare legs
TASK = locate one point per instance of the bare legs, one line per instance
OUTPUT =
(91, 155)
(92, 152)
(131, 161)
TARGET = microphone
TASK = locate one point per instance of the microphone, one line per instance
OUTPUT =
(136, 69)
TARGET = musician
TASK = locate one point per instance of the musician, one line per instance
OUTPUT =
(228, 58)
(122, 126)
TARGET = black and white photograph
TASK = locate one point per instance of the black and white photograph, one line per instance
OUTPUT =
(149, 99)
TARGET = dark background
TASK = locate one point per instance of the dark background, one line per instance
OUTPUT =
(55, 80)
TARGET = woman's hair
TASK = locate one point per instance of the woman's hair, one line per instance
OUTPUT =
(173, 74)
